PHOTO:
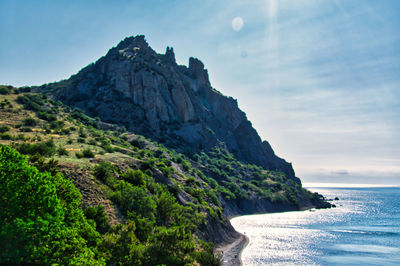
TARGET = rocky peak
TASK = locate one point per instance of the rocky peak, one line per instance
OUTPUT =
(132, 46)
(170, 55)
(196, 69)
(134, 42)
(133, 86)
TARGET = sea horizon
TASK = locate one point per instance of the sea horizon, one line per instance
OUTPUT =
(345, 185)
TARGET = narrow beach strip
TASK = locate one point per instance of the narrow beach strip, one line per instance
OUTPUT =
(231, 253)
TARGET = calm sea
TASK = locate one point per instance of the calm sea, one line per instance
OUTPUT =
(363, 230)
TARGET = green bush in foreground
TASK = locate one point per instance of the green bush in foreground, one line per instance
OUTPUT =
(41, 222)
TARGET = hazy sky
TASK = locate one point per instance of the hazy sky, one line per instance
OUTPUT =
(319, 79)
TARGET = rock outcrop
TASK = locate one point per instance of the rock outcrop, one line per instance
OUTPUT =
(151, 95)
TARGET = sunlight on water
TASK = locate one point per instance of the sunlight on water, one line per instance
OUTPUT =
(364, 229)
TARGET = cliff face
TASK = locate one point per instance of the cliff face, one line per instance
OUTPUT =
(151, 95)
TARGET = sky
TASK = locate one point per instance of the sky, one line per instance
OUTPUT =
(319, 79)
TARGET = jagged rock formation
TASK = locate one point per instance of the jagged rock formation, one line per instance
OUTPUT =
(151, 95)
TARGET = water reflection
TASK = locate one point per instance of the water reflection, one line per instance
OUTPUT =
(364, 229)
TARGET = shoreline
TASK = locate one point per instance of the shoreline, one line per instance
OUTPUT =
(231, 253)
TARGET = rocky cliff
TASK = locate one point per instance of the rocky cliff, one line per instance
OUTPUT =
(150, 94)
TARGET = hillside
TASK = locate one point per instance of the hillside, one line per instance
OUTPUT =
(154, 182)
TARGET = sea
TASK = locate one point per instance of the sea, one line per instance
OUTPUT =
(364, 229)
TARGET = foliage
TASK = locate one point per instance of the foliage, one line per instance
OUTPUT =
(41, 219)
(47, 148)
(62, 151)
(87, 153)
(98, 215)
(4, 90)
(102, 171)
(4, 129)
(135, 177)
(134, 199)
(30, 122)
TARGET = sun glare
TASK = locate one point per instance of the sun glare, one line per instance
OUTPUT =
(272, 8)
(237, 23)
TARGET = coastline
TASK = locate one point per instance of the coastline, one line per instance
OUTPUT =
(231, 253)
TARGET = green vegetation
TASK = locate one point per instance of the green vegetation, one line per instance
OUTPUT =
(30, 122)
(47, 148)
(236, 180)
(41, 219)
(4, 90)
(4, 129)
(162, 196)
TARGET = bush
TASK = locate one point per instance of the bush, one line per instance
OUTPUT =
(25, 129)
(138, 143)
(46, 116)
(57, 124)
(135, 177)
(47, 148)
(4, 129)
(98, 215)
(5, 136)
(62, 151)
(4, 90)
(42, 223)
(82, 133)
(87, 153)
(108, 148)
(102, 171)
(134, 199)
(29, 122)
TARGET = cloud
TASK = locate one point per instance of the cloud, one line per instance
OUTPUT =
(340, 172)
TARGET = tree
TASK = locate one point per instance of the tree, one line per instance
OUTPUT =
(41, 222)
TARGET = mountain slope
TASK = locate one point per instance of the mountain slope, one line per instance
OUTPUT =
(174, 159)
(151, 95)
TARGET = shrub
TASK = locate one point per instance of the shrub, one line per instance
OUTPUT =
(4, 90)
(135, 177)
(134, 199)
(46, 116)
(5, 136)
(4, 129)
(102, 171)
(98, 215)
(47, 148)
(57, 124)
(29, 122)
(87, 153)
(25, 129)
(82, 133)
(138, 143)
(44, 224)
(62, 151)
(108, 148)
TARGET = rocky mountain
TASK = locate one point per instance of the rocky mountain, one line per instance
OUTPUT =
(150, 94)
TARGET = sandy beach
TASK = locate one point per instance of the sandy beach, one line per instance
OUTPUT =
(231, 253)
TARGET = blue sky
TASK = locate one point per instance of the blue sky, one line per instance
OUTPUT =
(319, 79)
